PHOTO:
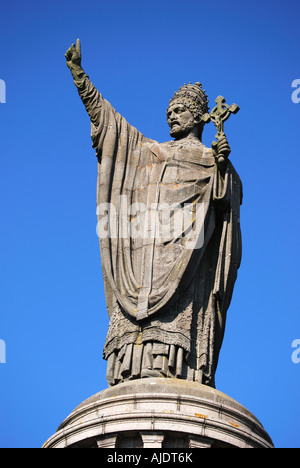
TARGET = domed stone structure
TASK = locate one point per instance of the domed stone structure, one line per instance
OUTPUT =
(160, 413)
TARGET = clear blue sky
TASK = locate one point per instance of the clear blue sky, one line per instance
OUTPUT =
(53, 316)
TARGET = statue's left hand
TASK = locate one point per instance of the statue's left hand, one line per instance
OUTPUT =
(222, 148)
(221, 151)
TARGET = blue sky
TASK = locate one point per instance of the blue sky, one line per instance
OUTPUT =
(53, 316)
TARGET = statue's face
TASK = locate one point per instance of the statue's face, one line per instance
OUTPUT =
(181, 121)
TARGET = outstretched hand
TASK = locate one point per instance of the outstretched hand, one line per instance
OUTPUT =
(73, 54)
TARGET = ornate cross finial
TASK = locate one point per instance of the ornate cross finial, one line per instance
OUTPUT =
(219, 114)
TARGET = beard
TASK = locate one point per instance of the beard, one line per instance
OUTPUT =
(181, 130)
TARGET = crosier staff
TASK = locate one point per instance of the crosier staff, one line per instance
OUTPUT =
(219, 114)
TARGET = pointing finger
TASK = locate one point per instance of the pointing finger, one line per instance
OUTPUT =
(78, 46)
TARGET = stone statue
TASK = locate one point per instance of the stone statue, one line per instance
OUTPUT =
(169, 230)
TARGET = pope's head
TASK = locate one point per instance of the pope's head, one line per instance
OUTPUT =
(185, 111)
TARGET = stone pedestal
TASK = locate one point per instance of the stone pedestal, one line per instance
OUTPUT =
(160, 413)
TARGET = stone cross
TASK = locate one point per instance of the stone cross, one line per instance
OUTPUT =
(219, 114)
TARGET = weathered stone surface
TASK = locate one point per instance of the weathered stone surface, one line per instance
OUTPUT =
(157, 413)
(169, 230)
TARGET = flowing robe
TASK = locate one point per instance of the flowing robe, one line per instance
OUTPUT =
(170, 244)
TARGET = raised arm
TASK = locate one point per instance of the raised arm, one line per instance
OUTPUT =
(89, 95)
(104, 118)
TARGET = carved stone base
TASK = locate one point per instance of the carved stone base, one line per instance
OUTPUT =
(160, 413)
